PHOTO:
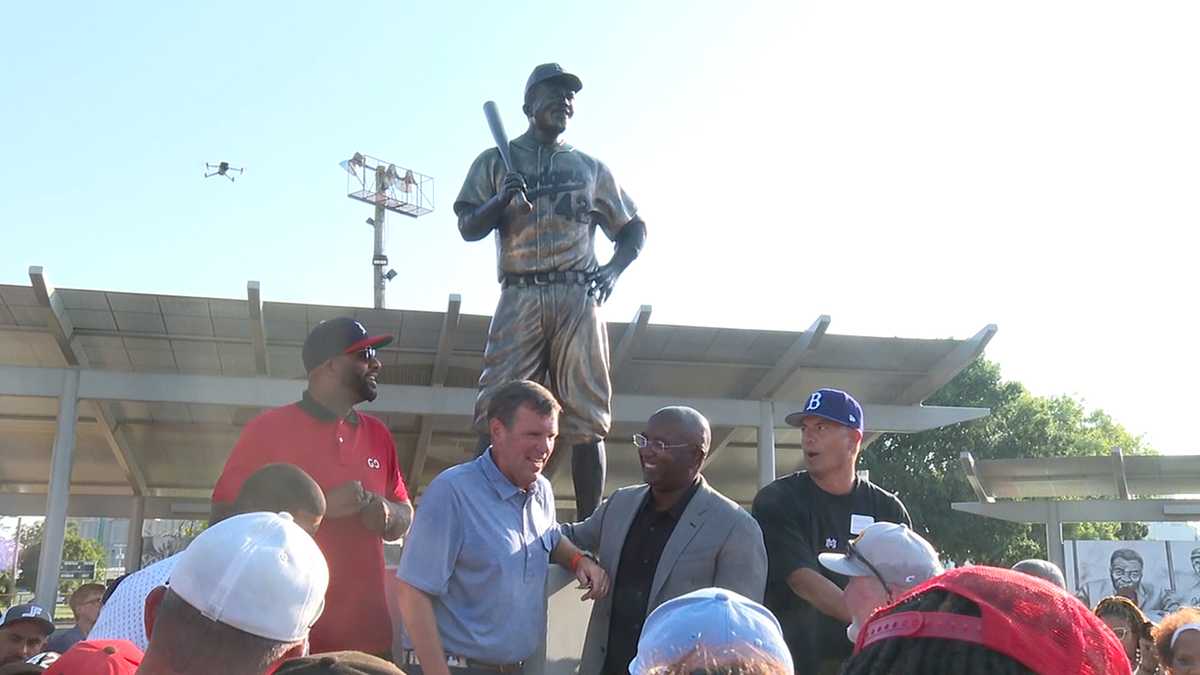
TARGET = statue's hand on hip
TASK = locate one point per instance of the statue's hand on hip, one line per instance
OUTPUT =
(602, 281)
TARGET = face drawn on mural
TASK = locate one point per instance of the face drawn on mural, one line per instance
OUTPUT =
(1126, 570)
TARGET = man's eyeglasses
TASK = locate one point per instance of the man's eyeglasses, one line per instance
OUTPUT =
(641, 443)
(854, 553)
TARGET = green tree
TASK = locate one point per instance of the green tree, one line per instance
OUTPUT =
(75, 547)
(925, 470)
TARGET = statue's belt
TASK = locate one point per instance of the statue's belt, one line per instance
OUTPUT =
(545, 278)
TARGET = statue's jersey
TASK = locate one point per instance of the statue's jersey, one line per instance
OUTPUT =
(571, 192)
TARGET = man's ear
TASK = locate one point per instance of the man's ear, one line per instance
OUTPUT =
(153, 600)
(298, 650)
(495, 428)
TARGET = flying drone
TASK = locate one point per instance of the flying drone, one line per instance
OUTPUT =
(222, 169)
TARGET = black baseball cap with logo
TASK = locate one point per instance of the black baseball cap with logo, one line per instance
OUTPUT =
(551, 71)
(342, 335)
(30, 613)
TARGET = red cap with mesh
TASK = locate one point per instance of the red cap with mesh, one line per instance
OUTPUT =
(98, 657)
(1027, 619)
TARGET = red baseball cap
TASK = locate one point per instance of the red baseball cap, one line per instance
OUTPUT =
(98, 657)
(1025, 618)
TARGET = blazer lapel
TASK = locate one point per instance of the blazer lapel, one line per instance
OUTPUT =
(613, 538)
(686, 529)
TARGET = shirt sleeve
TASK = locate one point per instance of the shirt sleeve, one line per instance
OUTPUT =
(788, 547)
(900, 513)
(248, 455)
(433, 543)
(482, 181)
(553, 533)
(612, 209)
(397, 490)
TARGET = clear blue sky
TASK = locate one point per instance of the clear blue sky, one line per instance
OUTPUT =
(917, 169)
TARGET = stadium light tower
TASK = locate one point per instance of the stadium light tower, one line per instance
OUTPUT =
(387, 187)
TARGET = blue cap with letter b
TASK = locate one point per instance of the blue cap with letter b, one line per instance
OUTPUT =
(832, 404)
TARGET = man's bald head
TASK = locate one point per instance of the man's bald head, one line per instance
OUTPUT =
(689, 422)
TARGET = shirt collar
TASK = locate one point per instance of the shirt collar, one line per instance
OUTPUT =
(499, 482)
(314, 409)
(528, 142)
(676, 510)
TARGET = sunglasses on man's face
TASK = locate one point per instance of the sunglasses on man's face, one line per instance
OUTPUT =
(365, 354)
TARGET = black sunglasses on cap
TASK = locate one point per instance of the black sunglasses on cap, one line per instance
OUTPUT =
(854, 553)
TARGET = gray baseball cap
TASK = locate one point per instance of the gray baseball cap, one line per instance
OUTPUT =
(902, 557)
(1042, 569)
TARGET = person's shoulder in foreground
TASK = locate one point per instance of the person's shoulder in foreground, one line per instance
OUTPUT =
(123, 614)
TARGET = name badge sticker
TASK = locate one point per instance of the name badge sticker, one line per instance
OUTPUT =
(859, 522)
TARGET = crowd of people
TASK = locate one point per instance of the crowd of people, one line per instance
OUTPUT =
(824, 574)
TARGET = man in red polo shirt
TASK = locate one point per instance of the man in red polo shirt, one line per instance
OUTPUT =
(353, 458)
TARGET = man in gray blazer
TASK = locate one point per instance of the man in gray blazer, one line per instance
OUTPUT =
(660, 540)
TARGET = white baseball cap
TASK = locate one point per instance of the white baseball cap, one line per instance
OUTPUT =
(715, 620)
(902, 557)
(257, 572)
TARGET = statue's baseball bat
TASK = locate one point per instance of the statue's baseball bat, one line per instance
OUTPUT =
(501, 138)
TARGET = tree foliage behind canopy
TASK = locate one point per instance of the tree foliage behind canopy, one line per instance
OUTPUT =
(75, 547)
(924, 468)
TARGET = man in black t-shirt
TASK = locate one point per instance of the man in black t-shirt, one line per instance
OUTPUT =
(816, 511)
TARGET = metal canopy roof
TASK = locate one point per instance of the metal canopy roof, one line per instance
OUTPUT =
(1057, 490)
(167, 382)
(1117, 476)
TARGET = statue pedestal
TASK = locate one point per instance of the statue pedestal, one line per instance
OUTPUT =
(566, 627)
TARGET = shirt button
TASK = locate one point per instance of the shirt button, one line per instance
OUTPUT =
(339, 439)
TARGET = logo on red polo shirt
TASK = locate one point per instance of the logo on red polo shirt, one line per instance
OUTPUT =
(372, 463)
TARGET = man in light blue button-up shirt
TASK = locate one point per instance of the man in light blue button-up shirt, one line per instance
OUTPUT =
(473, 574)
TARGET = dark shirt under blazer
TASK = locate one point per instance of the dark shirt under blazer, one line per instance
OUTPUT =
(715, 543)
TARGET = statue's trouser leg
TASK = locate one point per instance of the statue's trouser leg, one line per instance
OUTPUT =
(516, 349)
(579, 377)
(588, 469)
(555, 335)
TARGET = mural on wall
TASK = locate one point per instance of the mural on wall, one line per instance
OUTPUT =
(1160, 576)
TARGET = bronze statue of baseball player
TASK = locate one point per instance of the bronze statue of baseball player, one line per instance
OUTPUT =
(547, 326)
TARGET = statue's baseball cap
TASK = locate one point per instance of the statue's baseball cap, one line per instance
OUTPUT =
(832, 404)
(342, 335)
(551, 71)
(28, 612)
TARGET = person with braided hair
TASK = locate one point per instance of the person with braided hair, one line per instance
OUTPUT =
(1133, 629)
(986, 621)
